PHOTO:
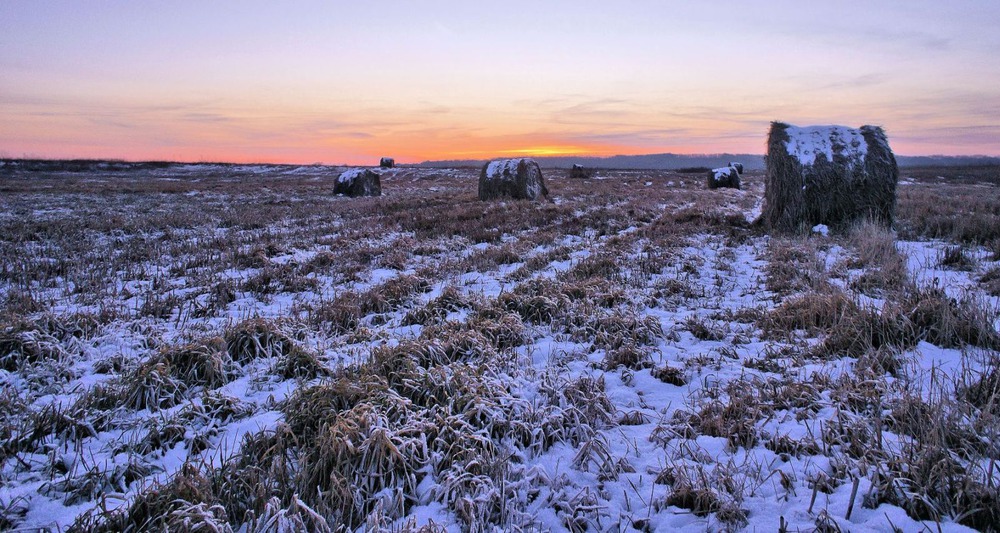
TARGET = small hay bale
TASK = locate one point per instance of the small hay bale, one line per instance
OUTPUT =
(358, 182)
(725, 177)
(387, 162)
(520, 179)
(579, 172)
(737, 166)
(829, 175)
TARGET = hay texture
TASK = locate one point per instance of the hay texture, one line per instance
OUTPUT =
(387, 162)
(580, 172)
(358, 182)
(520, 179)
(829, 175)
(724, 178)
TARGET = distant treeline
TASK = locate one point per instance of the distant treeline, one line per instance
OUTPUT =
(85, 165)
(946, 160)
(679, 162)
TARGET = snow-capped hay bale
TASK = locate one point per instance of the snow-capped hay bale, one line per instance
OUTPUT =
(828, 175)
(724, 178)
(737, 166)
(387, 162)
(579, 172)
(358, 182)
(520, 179)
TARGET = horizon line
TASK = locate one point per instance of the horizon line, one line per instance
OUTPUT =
(425, 161)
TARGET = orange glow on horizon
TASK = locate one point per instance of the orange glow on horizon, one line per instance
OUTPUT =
(329, 152)
(547, 150)
(303, 135)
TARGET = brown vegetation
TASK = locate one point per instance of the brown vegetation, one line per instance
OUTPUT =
(429, 349)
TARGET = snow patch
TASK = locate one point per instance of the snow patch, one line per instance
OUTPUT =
(350, 175)
(720, 173)
(501, 167)
(807, 143)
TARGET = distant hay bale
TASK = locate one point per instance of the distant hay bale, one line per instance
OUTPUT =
(724, 178)
(520, 179)
(387, 162)
(828, 175)
(358, 182)
(579, 172)
(737, 166)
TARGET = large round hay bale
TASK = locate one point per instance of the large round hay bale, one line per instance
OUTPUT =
(520, 179)
(829, 175)
(358, 182)
(580, 172)
(724, 178)
(387, 162)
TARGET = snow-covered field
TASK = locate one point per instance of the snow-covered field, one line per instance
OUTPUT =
(219, 348)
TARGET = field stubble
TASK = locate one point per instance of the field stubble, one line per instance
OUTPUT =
(214, 348)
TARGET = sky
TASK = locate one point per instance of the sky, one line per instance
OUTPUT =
(351, 81)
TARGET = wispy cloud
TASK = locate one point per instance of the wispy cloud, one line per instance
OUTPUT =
(202, 117)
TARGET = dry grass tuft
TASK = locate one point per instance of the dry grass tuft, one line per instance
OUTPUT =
(587, 398)
(310, 407)
(343, 314)
(219, 295)
(338, 316)
(23, 343)
(705, 330)
(786, 447)
(885, 271)
(620, 328)
(434, 312)
(670, 375)
(351, 463)
(793, 266)
(503, 329)
(814, 312)
(672, 292)
(538, 301)
(203, 364)
(957, 258)
(629, 356)
(949, 323)
(185, 503)
(392, 294)
(991, 281)
(700, 501)
(256, 338)
(299, 363)
(982, 388)
(861, 333)
(598, 266)
(734, 421)
(847, 329)
(163, 380)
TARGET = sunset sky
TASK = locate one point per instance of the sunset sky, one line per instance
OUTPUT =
(348, 82)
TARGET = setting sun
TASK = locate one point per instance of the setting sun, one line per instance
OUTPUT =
(551, 150)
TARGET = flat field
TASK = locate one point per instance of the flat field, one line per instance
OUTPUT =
(234, 348)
